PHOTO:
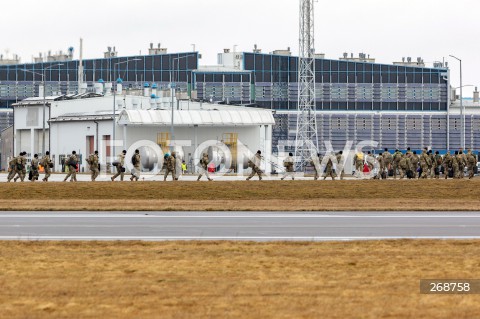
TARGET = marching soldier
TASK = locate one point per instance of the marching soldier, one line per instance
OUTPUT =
(456, 171)
(329, 170)
(381, 171)
(358, 162)
(170, 167)
(397, 156)
(34, 168)
(340, 162)
(462, 163)
(12, 168)
(254, 163)
(388, 161)
(120, 166)
(438, 164)
(415, 160)
(315, 162)
(425, 163)
(47, 163)
(21, 167)
(288, 164)
(471, 163)
(72, 162)
(204, 161)
(93, 163)
(136, 161)
(447, 164)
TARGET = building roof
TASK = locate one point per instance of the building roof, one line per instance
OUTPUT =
(223, 117)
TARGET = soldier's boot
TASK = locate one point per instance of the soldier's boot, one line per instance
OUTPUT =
(259, 178)
(281, 178)
(112, 178)
(15, 179)
(210, 179)
(199, 176)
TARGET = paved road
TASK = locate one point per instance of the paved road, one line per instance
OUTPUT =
(259, 226)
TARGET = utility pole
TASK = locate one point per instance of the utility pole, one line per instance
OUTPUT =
(306, 142)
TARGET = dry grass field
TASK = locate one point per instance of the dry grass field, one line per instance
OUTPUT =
(266, 195)
(234, 280)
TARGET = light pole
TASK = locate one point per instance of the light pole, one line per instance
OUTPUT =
(462, 110)
(44, 100)
(172, 86)
(114, 116)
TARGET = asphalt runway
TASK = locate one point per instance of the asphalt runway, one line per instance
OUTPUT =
(251, 226)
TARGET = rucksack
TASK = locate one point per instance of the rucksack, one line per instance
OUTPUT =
(134, 159)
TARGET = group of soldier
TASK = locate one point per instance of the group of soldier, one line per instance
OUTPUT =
(17, 167)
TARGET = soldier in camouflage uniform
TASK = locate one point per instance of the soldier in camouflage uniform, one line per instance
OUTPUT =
(456, 171)
(438, 164)
(397, 156)
(46, 162)
(120, 166)
(204, 161)
(462, 163)
(381, 170)
(425, 162)
(432, 164)
(288, 164)
(471, 163)
(21, 167)
(403, 166)
(388, 158)
(170, 167)
(137, 163)
(72, 162)
(415, 160)
(358, 161)
(254, 163)
(329, 170)
(12, 168)
(447, 164)
(93, 163)
(34, 168)
(340, 163)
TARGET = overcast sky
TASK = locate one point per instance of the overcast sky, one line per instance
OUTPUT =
(386, 29)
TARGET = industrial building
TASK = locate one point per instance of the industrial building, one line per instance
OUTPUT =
(397, 105)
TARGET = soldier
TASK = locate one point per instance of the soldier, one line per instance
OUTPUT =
(315, 162)
(136, 161)
(462, 163)
(447, 164)
(455, 167)
(288, 164)
(329, 169)
(432, 165)
(178, 166)
(425, 162)
(370, 160)
(93, 163)
(415, 160)
(12, 168)
(358, 161)
(21, 167)
(471, 163)
(397, 156)
(340, 162)
(409, 152)
(120, 166)
(34, 168)
(204, 161)
(381, 171)
(438, 163)
(170, 167)
(72, 162)
(254, 163)
(403, 166)
(388, 159)
(47, 162)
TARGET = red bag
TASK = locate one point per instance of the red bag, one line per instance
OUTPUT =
(366, 169)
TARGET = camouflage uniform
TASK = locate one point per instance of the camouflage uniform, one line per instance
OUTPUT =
(21, 168)
(12, 168)
(254, 163)
(72, 168)
(137, 167)
(462, 163)
(403, 166)
(433, 165)
(289, 171)
(415, 160)
(447, 164)
(358, 160)
(34, 169)
(329, 171)
(381, 162)
(170, 167)
(204, 161)
(120, 166)
(93, 163)
(471, 163)
(397, 156)
(438, 164)
(388, 158)
(424, 163)
(455, 167)
(46, 161)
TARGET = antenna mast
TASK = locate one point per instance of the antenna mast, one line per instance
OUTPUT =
(306, 142)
